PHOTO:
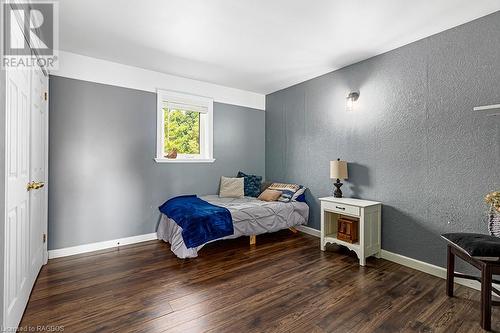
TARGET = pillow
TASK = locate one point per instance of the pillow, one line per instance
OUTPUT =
(231, 187)
(251, 183)
(265, 184)
(299, 195)
(301, 198)
(287, 190)
(479, 246)
(269, 195)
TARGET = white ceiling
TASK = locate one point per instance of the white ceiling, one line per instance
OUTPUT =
(255, 45)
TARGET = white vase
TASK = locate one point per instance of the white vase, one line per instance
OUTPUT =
(494, 223)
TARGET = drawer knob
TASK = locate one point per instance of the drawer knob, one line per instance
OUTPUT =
(338, 207)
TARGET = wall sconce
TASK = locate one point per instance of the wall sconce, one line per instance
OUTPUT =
(351, 100)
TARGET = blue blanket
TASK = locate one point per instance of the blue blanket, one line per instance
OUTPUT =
(200, 221)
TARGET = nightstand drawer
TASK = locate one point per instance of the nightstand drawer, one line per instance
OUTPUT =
(340, 208)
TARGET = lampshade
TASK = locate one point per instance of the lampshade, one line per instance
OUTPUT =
(338, 169)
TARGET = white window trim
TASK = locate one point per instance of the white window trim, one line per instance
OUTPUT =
(206, 138)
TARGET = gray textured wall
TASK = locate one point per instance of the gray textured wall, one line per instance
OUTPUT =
(413, 143)
(104, 183)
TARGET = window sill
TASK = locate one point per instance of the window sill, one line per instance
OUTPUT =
(185, 160)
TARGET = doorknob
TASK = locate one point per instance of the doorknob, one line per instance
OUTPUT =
(35, 185)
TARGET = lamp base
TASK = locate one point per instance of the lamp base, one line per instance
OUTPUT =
(337, 193)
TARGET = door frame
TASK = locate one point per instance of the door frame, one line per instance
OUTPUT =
(46, 199)
(3, 187)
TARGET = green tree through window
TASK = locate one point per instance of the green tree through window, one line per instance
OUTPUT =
(182, 131)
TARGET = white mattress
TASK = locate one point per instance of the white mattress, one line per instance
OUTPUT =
(250, 217)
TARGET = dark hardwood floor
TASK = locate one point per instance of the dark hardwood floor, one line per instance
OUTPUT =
(284, 284)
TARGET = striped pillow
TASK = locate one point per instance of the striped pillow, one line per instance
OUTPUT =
(288, 190)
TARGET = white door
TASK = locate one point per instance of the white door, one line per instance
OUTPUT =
(17, 233)
(38, 175)
(26, 199)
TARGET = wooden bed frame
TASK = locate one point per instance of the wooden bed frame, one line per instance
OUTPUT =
(253, 238)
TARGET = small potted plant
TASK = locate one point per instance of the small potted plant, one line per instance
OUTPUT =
(493, 199)
(172, 154)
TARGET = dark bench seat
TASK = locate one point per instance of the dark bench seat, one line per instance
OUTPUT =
(482, 252)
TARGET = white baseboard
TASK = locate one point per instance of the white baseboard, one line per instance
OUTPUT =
(410, 262)
(414, 263)
(69, 251)
(308, 230)
(429, 269)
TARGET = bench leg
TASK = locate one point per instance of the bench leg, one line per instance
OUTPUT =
(486, 278)
(450, 272)
(253, 240)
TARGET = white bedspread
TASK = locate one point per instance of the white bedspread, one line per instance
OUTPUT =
(250, 217)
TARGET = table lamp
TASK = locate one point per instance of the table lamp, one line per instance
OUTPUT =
(338, 170)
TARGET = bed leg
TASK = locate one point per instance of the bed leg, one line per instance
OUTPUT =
(292, 229)
(253, 239)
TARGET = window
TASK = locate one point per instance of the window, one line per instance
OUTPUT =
(185, 126)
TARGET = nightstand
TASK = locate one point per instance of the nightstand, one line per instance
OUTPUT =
(369, 215)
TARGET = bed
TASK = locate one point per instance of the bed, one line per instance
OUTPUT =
(250, 217)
